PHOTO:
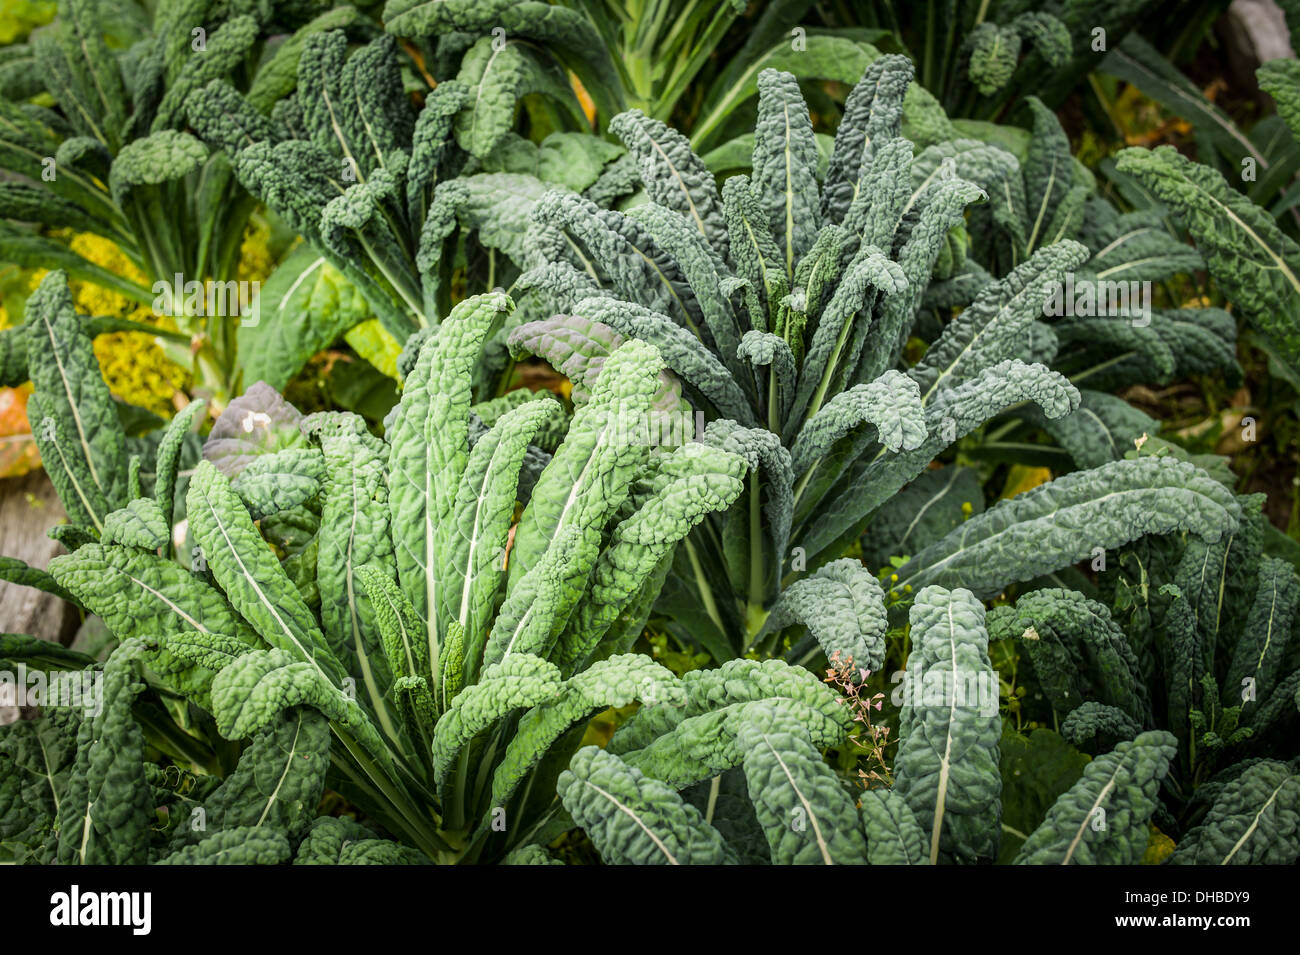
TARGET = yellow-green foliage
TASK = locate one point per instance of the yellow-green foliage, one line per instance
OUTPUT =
(19, 17)
(255, 258)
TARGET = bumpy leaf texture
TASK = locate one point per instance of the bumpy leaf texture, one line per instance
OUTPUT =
(1255, 262)
(633, 819)
(947, 764)
(1103, 818)
(1066, 520)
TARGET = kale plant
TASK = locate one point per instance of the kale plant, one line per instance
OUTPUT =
(979, 57)
(382, 193)
(953, 791)
(372, 615)
(784, 305)
(113, 156)
(1195, 639)
(1040, 195)
(666, 59)
(415, 209)
(1237, 202)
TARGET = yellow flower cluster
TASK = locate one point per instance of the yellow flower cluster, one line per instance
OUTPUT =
(135, 367)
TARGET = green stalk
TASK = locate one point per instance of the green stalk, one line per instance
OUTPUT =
(407, 295)
(754, 614)
(927, 58)
(799, 524)
(820, 395)
(454, 808)
(486, 764)
(803, 483)
(408, 815)
(161, 228)
(225, 256)
(178, 744)
(807, 658)
(997, 434)
(773, 404)
(686, 71)
(638, 74)
(376, 804)
(219, 332)
(377, 701)
(706, 592)
(149, 252)
(1075, 379)
(949, 53)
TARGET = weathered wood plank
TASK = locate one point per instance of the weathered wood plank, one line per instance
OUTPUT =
(28, 507)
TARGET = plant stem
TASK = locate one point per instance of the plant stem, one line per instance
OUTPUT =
(408, 816)
(706, 592)
(754, 606)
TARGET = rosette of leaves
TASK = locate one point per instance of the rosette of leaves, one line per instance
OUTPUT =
(111, 153)
(1039, 194)
(783, 304)
(393, 202)
(446, 647)
(402, 207)
(1194, 639)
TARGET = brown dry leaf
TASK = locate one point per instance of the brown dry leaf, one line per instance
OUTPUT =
(18, 454)
(535, 376)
